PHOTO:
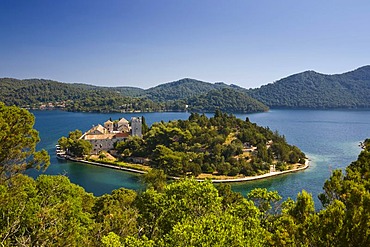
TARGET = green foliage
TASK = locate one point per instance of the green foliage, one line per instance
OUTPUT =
(155, 179)
(227, 100)
(304, 90)
(114, 213)
(133, 146)
(111, 240)
(34, 93)
(208, 145)
(145, 127)
(74, 145)
(18, 142)
(264, 199)
(348, 197)
(229, 197)
(47, 212)
(212, 230)
(159, 212)
(51, 211)
(313, 90)
(173, 96)
(142, 242)
(182, 89)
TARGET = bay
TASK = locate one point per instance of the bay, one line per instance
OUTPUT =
(329, 138)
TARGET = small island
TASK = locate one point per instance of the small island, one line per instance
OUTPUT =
(221, 148)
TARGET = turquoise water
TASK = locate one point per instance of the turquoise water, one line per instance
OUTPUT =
(329, 138)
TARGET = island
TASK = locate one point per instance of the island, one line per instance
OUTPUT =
(221, 148)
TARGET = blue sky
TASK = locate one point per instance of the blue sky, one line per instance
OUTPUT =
(146, 43)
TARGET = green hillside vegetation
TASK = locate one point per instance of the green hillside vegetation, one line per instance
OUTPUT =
(204, 97)
(52, 211)
(313, 90)
(217, 145)
(131, 91)
(226, 100)
(35, 94)
(72, 97)
(181, 89)
(304, 90)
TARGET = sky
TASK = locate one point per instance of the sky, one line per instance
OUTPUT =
(146, 43)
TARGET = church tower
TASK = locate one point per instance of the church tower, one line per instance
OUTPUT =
(136, 127)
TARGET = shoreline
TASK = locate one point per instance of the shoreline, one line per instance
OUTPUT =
(258, 177)
(106, 165)
(231, 180)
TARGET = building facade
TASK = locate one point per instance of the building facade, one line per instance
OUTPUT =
(103, 138)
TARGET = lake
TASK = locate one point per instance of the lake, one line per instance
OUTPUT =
(329, 138)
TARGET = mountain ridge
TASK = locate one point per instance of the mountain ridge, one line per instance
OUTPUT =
(307, 89)
(310, 89)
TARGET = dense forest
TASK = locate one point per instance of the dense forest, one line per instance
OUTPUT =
(313, 90)
(304, 90)
(34, 93)
(182, 89)
(46, 94)
(52, 211)
(226, 100)
(222, 145)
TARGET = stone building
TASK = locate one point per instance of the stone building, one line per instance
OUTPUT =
(103, 138)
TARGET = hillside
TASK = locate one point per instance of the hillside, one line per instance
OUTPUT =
(181, 89)
(220, 145)
(130, 91)
(39, 93)
(308, 89)
(226, 100)
(313, 90)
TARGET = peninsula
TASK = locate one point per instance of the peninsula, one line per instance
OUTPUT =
(221, 148)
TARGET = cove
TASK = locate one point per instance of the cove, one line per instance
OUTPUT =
(329, 138)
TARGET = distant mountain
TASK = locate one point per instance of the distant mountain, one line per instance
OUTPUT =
(204, 96)
(131, 91)
(39, 93)
(303, 90)
(314, 90)
(226, 100)
(181, 89)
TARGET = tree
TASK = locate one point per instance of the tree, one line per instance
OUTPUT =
(155, 179)
(75, 146)
(18, 142)
(263, 199)
(145, 127)
(161, 211)
(49, 211)
(212, 230)
(115, 213)
(80, 148)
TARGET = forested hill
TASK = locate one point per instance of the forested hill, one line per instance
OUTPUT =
(39, 93)
(174, 96)
(227, 100)
(182, 89)
(303, 90)
(313, 90)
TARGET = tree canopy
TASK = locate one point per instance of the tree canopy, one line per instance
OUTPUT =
(313, 90)
(223, 145)
(52, 211)
(75, 146)
(18, 142)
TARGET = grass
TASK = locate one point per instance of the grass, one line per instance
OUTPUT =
(121, 164)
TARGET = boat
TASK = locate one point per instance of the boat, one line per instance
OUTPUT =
(60, 153)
